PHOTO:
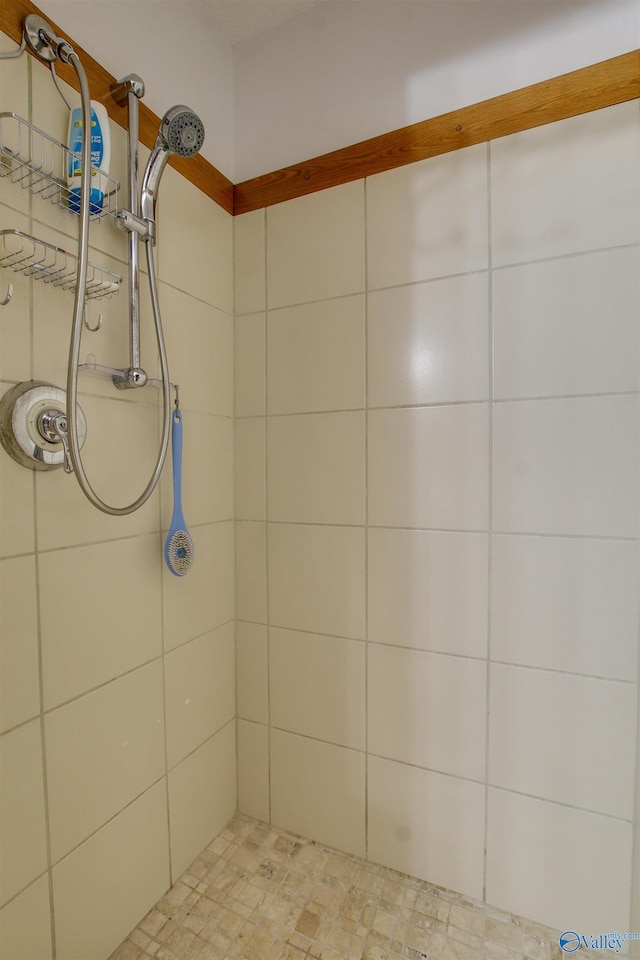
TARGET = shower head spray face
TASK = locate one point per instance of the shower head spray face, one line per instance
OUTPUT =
(182, 131)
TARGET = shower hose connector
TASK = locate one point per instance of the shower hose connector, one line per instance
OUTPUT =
(130, 223)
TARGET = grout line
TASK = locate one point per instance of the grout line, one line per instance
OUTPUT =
(119, 676)
(452, 276)
(372, 526)
(163, 657)
(445, 773)
(450, 530)
(366, 520)
(199, 746)
(445, 403)
(452, 655)
(265, 481)
(120, 539)
(634, 912)
(38, 599)
(147, 788)
(234, 268)
(448, 404)
(487, 743)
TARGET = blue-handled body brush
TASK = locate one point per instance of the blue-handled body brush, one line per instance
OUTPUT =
(178, 547)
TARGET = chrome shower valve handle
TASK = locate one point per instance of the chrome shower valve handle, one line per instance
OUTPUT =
(55, 429)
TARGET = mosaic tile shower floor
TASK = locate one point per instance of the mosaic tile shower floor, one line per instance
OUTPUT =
(259, 893)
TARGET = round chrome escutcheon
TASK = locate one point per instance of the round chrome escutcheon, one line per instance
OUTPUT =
(27, 431)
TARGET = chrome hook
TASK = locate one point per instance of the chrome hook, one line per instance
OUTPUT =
(15, 53)
(86, 322)
(8, 297)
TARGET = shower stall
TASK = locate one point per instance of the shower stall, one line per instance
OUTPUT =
(411, 479)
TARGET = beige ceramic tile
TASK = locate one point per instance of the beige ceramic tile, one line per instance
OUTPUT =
(427, 709)
(132, 431)
(428, 589)
(88, 642)
(543, 723)
(207, 470)
(549, 338)
(427, 825)
(250, 469)
(202, 796)
(195, 242)
(554, 599)
(566, 187)
(23, 846)
(428, 219)
(200, 695)
(211, 576)
(52, 317)
(19, 686)
(315, 468)
(252, 671)
(250, 365)
(92, 918)
(103, 750)
(16, 488)
(428, 467)
(15, 329)
(567, 466)
(249, 261)
(317, 790)
(14, 97)
(316, 356)
(204, 598)
(25, 924)
(563, 843)
(199, 340)
(317, 686)
(251, 571)
(15, 80)
(316, 579)
(315, 246)
(253, 769)
(429, 342)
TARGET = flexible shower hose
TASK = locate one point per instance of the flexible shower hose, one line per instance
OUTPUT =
(76, 330)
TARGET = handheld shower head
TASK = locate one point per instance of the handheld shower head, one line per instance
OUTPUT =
(181, 132)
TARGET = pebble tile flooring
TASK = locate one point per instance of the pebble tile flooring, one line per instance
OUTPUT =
(259, 893)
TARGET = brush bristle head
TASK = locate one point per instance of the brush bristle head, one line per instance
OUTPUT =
(179, 553)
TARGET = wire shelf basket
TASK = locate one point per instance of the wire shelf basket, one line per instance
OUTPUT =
(44, 261)
(39, 163)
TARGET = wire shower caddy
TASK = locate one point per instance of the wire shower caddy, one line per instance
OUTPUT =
(39, 163)
(35, 258)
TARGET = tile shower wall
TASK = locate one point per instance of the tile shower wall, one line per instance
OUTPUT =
(117, 702)
(437, 500)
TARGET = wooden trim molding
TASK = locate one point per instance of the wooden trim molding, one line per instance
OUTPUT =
(590, 88)
(197, 170)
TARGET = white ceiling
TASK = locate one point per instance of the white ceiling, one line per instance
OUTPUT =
(279, 80)
(240, 19)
